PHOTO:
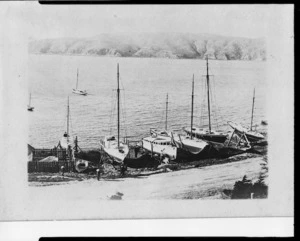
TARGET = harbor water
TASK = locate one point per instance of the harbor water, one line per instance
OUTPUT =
(145, 82)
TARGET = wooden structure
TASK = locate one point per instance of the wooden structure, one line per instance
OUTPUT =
(65, 158)
(52, 167)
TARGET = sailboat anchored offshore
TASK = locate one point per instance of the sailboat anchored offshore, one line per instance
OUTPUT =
(78, 91)
(29, 107)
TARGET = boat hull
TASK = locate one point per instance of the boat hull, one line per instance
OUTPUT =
(30, 108)
(211, 137)
(115, 152)
(145, 161)
(79, 92)
(251, 136)
(221, 150)
(81, 165)
(151, 146)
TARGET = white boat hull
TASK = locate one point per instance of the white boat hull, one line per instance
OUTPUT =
(110, 147)
(194, 146)
(151, 145)
(79, 92)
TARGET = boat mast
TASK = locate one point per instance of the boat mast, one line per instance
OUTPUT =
(77, 80)
(207, 79)
(166, 124)
(30, 99)
(68, 110)
(118, 94)
(252, 109)
(192, 115)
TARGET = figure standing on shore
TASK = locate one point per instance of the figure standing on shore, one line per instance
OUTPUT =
(62, 170)
(98, 174)
(123, 169)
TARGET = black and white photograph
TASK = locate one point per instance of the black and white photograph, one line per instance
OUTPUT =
(146, 111)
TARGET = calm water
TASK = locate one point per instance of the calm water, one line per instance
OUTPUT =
(145, 84)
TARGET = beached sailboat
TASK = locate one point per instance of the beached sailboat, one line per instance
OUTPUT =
(29, 107)
(160, 145)
(66, 140)
(78, 91)
(193, 146)
(204, 133)
(111, 145)
(160, 142)
(252, 135)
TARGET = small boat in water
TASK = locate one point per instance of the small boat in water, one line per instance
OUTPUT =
(29, 107)
(264, 122)
(204, 133)
(78, 91)
(252, 135)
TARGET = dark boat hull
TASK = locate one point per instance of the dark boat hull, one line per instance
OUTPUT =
(251, 138)
(184, 155)
(145, 161)
(223, 151)
(211, 137)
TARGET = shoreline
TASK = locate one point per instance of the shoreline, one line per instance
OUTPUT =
(206, 182)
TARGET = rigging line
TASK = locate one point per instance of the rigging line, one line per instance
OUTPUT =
(123, 108)
(214, 111)
(124, 112)
(112, 113)
(71, 125)
(203, 101)
(219, 115)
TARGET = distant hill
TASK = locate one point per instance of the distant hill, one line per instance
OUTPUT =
(156, 45)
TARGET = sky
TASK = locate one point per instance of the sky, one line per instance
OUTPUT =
(55, 21)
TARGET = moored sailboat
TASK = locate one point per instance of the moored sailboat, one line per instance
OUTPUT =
(160, 142)
(193, 146)
(204, 133)
(29, 107)
(78, 91)
(252, 135)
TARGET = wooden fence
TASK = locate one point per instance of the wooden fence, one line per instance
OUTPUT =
(34, 166)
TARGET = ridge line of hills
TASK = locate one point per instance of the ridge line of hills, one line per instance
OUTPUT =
(156, 45)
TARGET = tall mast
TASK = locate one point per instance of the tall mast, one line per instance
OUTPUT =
(166, 124)
(29, 99)
(192, 115)
(252, 109)
(68, 110)
(118, 94)
(208, 101)
(77, 80)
